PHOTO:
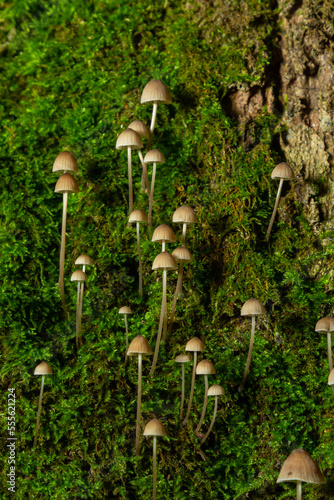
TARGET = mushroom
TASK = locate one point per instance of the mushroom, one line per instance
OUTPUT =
(195, 345)
(126, 310)
(300, 466)
(331, 379)
(204, 367)
(186, 215)
(163, 234)
(283, 172)
(162, 261)
(326, 325)
(144, 133)
(65, 162)
(80, 277)
(129, 140)
(154, 156)
(182, 358)
(155, 91)
(139, 216)
(214, 390)
(139, 346)
(252, 307)
(41, 369)
(65, 184)
(154, 428)
(83, 260)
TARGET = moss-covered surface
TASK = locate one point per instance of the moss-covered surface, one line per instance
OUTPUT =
(71, 78)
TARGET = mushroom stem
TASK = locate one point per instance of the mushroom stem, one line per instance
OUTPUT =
(145, 181)
(149, 218)
(80, 313)
(205, 403)
(62, 252)
(126, 336)
(162, 316)
(191, 389)
(212, 421)
(184, 230)
(140, 264)
(77, 316)
(182, 393)
(177, 293)
(275, 209)
(39, 411)
(249, 355)
(299, 490)
(154, 467)
(138, 405)
(154, 116)
(130, 180)
(329, 344)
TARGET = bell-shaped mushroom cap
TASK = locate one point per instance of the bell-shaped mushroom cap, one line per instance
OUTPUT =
(325, 325)
(182, 358)
(154, 428)
(83, 260)
(205, 367)
(154, 156)
(164, 261)
(125, 310)
(138, 216)
(66, 184)
(155, 90)
(79, 275)
(43, 369)
(163, 233)
(252, 307)
(185, 214)
(140, 128)
(283, 171)
(139, 345)
(182, 254)
(216, 390)
(129, 138)
(331, 378)
(300, 466)
(195, 344)
(65, 161)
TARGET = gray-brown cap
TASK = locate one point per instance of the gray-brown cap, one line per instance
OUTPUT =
(252, 307)
(195, 344)
(43, 369)
(283, 171)
(65, 161)
(154, 156)
(155, 90)
(182, 358)
(205, 367)
(83, 260)
(79, 275)
(139, 345)
(182, 254)
(325, 325)
(300, 466)
(216, 390)
(164, 261)
(154, 428)
(185, 214)
(125, 310)
(140, 128)
(138, 216)
(163, 233)
(129, 138)
(331, 378)
(66, 184)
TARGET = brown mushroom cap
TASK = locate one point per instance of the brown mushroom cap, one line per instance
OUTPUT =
(140, 128)
(163, 233)
(79, 275)
(65, 161)
(155, 428)
(125, 310)
(138, 216)
(185, 214)
(195, 344)
(182, 254)
(205, 367)
(182, 358)
(252, 307)
(331, 378)
(129, 138)
(66, 184)
(325, 325)
(154, 156)
(300, 466)
(283, 171)
(164, 261)
(83, 260)
(216, 390)
(139, 345)
(155, 90)
(43, 369)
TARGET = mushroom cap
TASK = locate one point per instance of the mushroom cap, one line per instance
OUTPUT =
(182, 254)
(163, 233)
(195, 344)
(154, 156)
(83, 260)
(155, 90)
(140, 128)
(129, 138)
(205, 367)
(182, 358)
(216, 390)
(164, 261)
(43, 369)
(283, 171)
(66, 184)
(154, 428)
(325, 325)
(139, 345)
(125, 310)
(300, 466)
(79, 275)
(185, 214)
(138, 216)
(252, 307)
(65, 161)
(331, 378)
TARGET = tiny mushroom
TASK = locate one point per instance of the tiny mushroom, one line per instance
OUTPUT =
(83, 260)
(186, 215)
(194, 345)
(65, 162)
(163, 234)
(80, 277)
(283, 172)
(138, 216)
(155, 91)
(182, 358)
(204, 367)
(126, 310)
(326, 325)
(214, 390)
(144, 133)
(41, 369)
(154, 156)
(154, 428)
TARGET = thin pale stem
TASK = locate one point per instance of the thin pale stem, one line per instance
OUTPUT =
(126, 336)
(39, 411)
(182, 393)
(138, 405)
(205, 403)
(62, 252)
(212, 421)
(145, 182)
(178, 285)
(329, 344)
(77, 315)
(249, 355)
(154, 467)
(130, 181)
(154, 116)
(275, 209)
(140, 264)
(299, 490)
(184, 231)
(149, 218)
(80, 312)
(191, 390)
(162, 315)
